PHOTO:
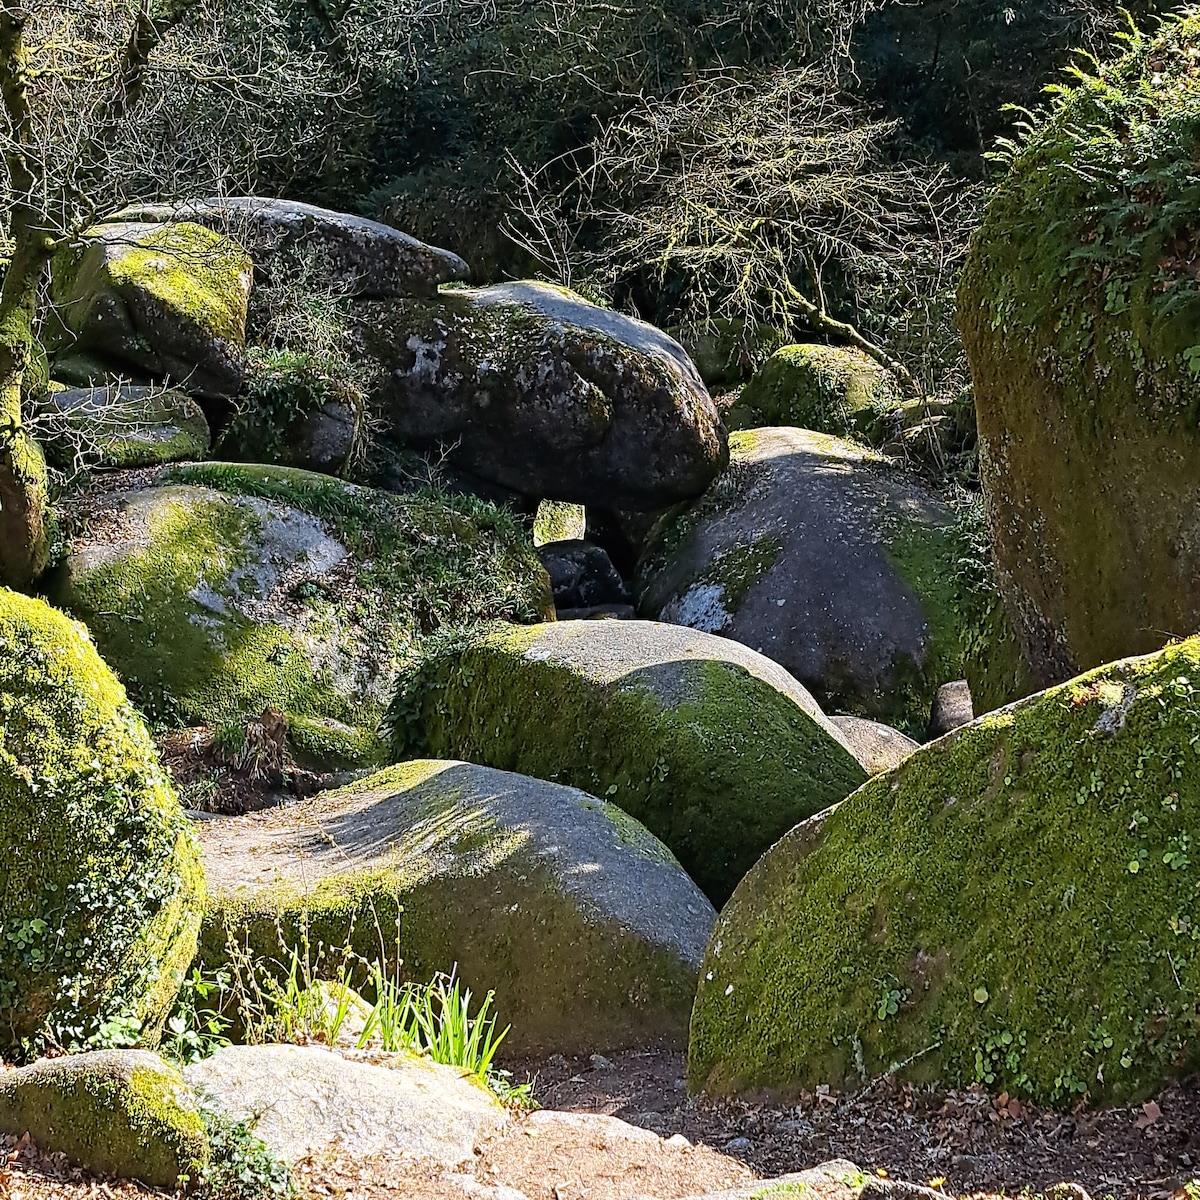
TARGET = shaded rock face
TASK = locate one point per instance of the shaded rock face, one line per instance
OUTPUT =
(363, 257)
(582, 575)
(122, 425)
(834, 563)
(306, 1100)
(167, 300)
(539, 391)
(124, 1113)
(1005, 908)
(1078, 311)
(98, 873)
(716, 749)
(582, 922)
(259, 587)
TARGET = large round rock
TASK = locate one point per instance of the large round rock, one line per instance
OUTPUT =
(165, 299)
(583, 924)
(827, 558)
(222, 590)
(1015, 905)
(99, 880)
(716, 749)
(1079, 306)
(533, 388)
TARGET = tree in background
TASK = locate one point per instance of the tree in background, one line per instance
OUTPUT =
(103, 100)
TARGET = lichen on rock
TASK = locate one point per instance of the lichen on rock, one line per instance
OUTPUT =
(223, 590)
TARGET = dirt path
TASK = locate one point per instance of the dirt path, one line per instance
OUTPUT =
(966, 1144)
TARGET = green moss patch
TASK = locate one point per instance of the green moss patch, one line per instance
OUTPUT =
(1013, 905)
(242, 588)
(98, 873)
(714, 760)
(828, 389)
(121, 1113)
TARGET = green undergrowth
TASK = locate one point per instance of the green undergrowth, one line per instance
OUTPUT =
(1014, 906)
(712, 760)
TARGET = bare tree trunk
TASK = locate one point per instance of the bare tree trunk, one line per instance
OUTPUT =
(24, 500)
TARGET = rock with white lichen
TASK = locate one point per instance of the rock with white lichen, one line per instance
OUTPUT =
(530, 387)
(219, 590)
(827, 558)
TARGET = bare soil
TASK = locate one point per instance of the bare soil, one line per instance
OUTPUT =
(966, 1144)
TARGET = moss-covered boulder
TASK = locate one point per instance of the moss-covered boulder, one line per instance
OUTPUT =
(99, 881)
(581, 921)
(122, 1113)
(557, 521)
(830, 389)
(222, 590)
(833, 561)
(121, 425)
(1079, 306)
(530, 387)
(169, 300)
(1014, 905)
(716, 749)
(728, 350)
(295, 410)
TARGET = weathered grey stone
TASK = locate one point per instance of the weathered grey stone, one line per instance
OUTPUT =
(716, 749)
(308, 1100)
(531, 387)
(877, 747)
(169, 300)
(125, 1113)
(952, 707)
(826, 558)
(582, 922)
(122, 425)
(363, 257)
(582, 575)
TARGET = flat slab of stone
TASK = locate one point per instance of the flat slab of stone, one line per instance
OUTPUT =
(309, 1100)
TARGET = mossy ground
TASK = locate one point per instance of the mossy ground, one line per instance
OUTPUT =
(1078, 305)
(418, 562)
(1014, 905)
(718, 772)
(98, 872)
